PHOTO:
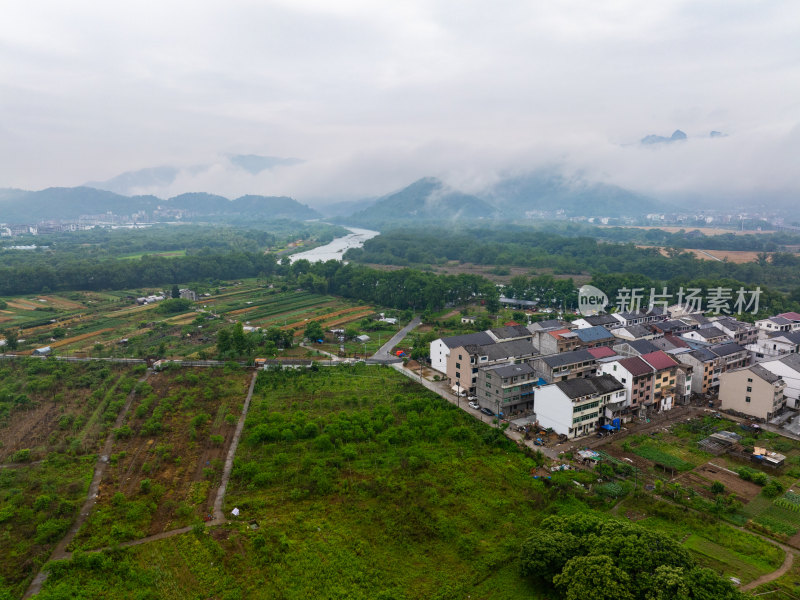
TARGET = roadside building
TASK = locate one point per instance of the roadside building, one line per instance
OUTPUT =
(440, 349)
(577, 407)
(507, 389)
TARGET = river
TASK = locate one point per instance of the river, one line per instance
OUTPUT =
(337, 247)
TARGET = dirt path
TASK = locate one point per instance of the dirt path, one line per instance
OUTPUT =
(787, 564)
(219, 517)
(60, 551)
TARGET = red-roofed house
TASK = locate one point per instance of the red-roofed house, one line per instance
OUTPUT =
(792, 316)
(556, 341)
(637, 377)
(601, 352)
(664, 379)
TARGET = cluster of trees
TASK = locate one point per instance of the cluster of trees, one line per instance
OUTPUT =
(525, 247)
(194, 239)
(402, 289)
(234, 343)
(586, 557)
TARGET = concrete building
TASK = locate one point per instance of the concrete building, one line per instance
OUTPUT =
(507, 389)
(577, 407)
(440, 349)
(752, 391)
(564, 366)
(464, 361)
(787, 368)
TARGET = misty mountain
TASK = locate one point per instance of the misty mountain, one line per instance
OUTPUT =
(344, 208)
(20, 206)
(426, 200)
(676, 136)
(254, 164)
(127, 182)
(154, 179)
(549, 192)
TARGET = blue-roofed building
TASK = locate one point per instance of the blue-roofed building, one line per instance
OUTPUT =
(592, 337)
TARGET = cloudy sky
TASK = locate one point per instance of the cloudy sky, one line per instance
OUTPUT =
(372, 95)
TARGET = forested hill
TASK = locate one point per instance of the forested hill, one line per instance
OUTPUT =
(21, 206)
(429, 200)
(425, 200)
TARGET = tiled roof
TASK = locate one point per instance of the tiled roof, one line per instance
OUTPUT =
(481, 338)
(636, 366)
(589, 386)
(567, 358)
(601, 352)
(659, 360)
(594, 334)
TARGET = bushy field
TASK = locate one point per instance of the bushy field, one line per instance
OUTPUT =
(53, 418)
(167, 458)
(362, 485)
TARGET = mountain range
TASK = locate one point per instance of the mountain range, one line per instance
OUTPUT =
(428, 200)
(20, 206)
(540, 193)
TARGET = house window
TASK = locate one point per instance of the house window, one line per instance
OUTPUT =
(749, 380)
(749, 389)
(458, 365)
(747, 398)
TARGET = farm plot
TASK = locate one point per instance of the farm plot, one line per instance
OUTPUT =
(701, 478)
(779, 516)
(340, 316)
(167, 458)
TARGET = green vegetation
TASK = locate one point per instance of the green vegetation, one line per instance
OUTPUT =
(167, 457)
(37, 504)
(584, 556)
(611, 265)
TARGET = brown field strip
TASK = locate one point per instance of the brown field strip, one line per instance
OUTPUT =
(23, 304)
(272, 320)
(80, 338)
(241, 311)
(337, 313)
(226, 295)
(688, 228)
(62, 302)
(347, 319)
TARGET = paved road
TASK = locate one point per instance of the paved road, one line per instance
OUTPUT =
(384, 353)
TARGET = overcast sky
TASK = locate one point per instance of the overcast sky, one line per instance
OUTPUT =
(372, 95)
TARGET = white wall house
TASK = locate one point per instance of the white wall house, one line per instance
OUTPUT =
(788, 369)
(576, 407)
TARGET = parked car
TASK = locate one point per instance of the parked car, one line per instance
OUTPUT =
(475, 405)
(487, 412)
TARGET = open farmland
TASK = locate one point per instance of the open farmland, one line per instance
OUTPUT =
(106, 324)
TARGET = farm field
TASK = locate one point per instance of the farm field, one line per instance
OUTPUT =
(111, 324)
(734, 256)
(359, 476)
(704, 230)
(53, 418)
(167, 457)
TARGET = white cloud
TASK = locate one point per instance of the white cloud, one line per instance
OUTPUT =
(375, 94)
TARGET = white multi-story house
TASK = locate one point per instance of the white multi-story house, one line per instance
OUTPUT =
(577, 407)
